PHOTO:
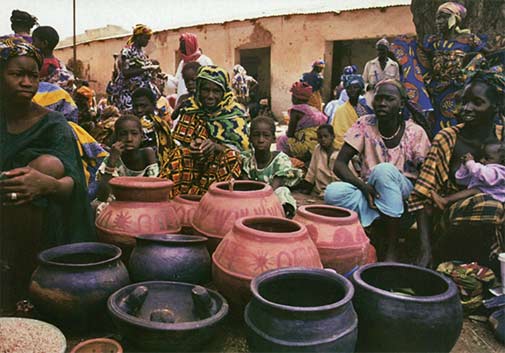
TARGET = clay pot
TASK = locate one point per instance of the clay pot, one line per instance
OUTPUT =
(167, 316)
(338, 235)
(185, 207)
(226, 202)
(405, 308)
(179, 258)
(301, 310)
(72, 282)
(255, 245)
(141, 207)
(98, 345)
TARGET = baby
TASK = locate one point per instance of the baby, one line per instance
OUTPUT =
(487, 177)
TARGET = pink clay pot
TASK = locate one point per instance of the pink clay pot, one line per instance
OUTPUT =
(225, 202)
(255, 245)
(185, 207)
(338, 235)
(142, 206)
(98, 345)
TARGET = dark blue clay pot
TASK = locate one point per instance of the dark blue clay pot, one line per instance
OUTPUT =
(392, 321)
(193, 315)
(301, 310)
(170, 257)
(72, 282)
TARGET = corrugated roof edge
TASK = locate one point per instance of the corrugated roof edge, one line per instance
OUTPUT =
(394, 3)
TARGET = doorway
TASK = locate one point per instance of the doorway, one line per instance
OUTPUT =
(257, 64)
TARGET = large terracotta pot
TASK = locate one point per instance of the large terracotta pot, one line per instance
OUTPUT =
(185, 207)
(405, 308)
(142, 206)
(72, 282)
(226, 202)
(255, 245)
(338, 235)
(301, 310)
(170, 257)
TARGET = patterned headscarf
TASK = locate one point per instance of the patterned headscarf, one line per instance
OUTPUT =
(191, 44)
(479, 69)
(396, 83)
(353, 79)
(139, 30)
(349, 70)
(457, 12)
(12, 47)
(228, 123)
(318, 63)
(301, 90)
(382, 41)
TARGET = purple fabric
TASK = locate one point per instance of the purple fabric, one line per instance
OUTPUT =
(311, 116)
(489, 178)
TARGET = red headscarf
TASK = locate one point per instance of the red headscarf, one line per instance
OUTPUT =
(301, 90)
(191, 45)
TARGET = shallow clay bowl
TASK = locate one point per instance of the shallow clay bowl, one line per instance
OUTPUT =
(98, 345)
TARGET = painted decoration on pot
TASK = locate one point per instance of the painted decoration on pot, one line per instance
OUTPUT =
(185, 207)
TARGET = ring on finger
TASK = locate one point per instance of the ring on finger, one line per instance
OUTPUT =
(14, 196)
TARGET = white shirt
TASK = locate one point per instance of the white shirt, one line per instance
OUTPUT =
(373, 72)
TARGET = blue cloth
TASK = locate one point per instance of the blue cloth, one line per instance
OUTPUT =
(314, 79)
(393, 187)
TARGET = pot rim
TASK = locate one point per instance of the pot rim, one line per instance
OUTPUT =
(44, 256)
(317, 272)
(216, 190)
(248, 231)
(145, 183)
(160, 326)
(305, 212)
(187, 199)
(451, 287)
(169, 238)
(99, 340)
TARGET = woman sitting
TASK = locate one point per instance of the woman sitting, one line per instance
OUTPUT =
(470, 229)
(274, 168)
(392, 150)
(301, 137)
(212, 132)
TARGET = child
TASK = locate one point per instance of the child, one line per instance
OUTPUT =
(320, 172)
(273, 168)
(126, 157)
(189, 73)
(487, 177)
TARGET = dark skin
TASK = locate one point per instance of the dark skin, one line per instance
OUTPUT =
(353, 91)
(479, 107)
(19, 80)
(382, 54)
(294, 116)
(128, 140)
(387, 105)
(189, 77)
(140, 41)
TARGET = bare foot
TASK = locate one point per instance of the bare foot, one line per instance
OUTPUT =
(440, 201)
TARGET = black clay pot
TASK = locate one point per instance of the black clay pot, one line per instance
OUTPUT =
(405, 308)
(301, 310)
(170, 257)
(164, 316)
(72, 282)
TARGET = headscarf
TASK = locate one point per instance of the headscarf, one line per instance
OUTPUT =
(318, 63)
(86, 92)
(301, 90)
(139, 30)
(349, 70)
(24, 18)
(382, 41)
(396, 83)
(457, 12)
(193, 52)
(228, 123)
(12, 47)
(353, 79)
(479, 69)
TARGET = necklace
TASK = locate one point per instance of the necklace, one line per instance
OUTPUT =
(392, 136)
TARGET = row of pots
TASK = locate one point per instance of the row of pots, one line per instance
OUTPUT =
(399, 307)
(142, 207)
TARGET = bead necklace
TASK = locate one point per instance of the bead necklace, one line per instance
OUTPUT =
(392, 136)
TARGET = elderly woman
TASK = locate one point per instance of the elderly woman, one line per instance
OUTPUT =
(392, 150)
(212, 131)
(443, 56)
(301, 137)
(42, 184)
(135, 69)
(470, 229)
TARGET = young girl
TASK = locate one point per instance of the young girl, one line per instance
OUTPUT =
(126, 158)
(487, 177)
(273, 168)
(320, 172)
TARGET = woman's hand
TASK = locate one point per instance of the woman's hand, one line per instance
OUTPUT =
(370, 194)
(207, 147)
(25, 184)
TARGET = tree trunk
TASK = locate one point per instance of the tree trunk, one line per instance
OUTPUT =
(483, 17)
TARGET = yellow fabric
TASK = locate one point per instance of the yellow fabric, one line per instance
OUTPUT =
(48, 98)
(343, 119)
(304, 142)
(316, 101)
